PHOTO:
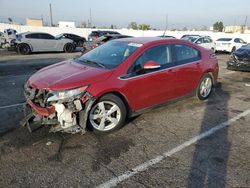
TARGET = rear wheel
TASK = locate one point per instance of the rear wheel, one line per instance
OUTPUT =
(23, 49)
(107, 114)
(205, 87)
(68, 48)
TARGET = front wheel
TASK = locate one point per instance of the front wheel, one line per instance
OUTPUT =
(205, 87)
(107, 114)
(23, 49)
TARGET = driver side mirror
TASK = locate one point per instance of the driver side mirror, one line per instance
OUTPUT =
(151, 65)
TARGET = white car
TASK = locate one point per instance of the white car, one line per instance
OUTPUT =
(41, 42)
(204, 41)
(229, 44)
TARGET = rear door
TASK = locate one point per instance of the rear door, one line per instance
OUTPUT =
(149, 88)
(49, 43)
(188, 69)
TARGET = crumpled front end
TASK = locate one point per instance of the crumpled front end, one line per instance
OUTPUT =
(239, 62)
(65, 115)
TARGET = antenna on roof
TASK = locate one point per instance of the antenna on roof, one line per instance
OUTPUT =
(166, 26)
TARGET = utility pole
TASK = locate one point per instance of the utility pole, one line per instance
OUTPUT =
(90, 18)
(245, 23)
(51, 21)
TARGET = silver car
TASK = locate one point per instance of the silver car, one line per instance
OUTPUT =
(41, 42)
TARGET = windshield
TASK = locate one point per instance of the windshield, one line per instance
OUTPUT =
(190, 39)
(225, 39)
(110, 54)
(59, 36)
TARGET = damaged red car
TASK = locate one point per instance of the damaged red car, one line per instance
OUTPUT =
(116, 81)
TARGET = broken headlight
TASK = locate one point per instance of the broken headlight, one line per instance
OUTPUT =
(62, 95)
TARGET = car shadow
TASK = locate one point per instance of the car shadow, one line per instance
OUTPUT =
(209, 164)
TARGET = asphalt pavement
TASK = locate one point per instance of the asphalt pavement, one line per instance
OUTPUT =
(189, 143)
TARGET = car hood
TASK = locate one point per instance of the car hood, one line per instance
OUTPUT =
(243, 53)
(67, 75)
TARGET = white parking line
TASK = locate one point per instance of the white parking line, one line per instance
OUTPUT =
(142, 167)
(11, 106)
(230, 72)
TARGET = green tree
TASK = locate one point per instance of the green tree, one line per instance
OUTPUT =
(144, 27)
(133, 25)
(218, 26)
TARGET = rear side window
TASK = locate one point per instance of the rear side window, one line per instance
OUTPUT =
(46, 36)
(33, 36)
(186, 54)
(225, 39)
(237, 40)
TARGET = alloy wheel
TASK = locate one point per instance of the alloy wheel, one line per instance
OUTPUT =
(105, 116)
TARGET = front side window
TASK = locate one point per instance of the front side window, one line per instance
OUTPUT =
(160, 54)
(207, 40)
(186, 54)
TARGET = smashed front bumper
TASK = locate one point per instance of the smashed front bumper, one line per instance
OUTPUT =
(238, 65)
(68, 116)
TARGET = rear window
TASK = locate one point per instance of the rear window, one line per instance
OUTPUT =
(225, 39)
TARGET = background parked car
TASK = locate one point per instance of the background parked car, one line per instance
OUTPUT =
(190, 35)
(240, 59)
(78, 40)
(204, 41)
(96, 34)
(229, 44)
(87, 46)
(41, 42)
(167, 36)
(7, 38)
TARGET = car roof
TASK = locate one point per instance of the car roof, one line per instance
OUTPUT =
(144, 40)
(28, 32)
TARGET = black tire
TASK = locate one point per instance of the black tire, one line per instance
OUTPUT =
(68, 48)
(106, 99)
(23, 49)
(200, 95)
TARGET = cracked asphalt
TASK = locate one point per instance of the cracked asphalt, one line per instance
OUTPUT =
(43, 159)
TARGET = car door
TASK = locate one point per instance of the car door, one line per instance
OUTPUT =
(34, 41)
(149, 88)
(207, 43)
(188, 69)
(48, 42)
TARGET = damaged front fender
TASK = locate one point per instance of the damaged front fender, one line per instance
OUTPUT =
(69, 117)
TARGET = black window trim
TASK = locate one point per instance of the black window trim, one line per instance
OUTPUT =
(130, 75)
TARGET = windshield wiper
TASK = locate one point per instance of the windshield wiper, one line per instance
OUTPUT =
(92, 62)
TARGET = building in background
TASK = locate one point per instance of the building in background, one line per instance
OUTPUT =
(34, 22)
(66, 24)
(235, 29)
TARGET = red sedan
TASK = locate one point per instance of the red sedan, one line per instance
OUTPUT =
(117, 80)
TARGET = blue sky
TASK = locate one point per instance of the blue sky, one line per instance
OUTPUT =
(181, 13)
